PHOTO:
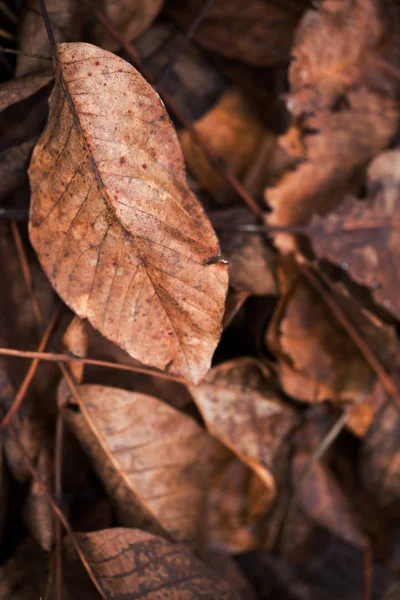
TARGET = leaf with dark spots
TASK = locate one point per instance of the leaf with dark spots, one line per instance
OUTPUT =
(129, 246)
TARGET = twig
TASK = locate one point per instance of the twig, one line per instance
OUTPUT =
(54, 357)
(19, 214)
(22, 53)
(215, 160)
(161, 79)
(55, 509)
(47, 24)
(26, 272)
(20, 395)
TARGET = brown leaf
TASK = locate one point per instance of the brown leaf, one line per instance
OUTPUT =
(256, 32)
(242, 407)
(76, 341)
(342, 83)
(380, 460)
(22, 87)
(66, 17)
(237, 504)
(362, 236)
(234, 302)
(150, 457)
(317, 361)
(322, 500)
(134, 564)
(13, 165)
(131, 19)
(233, 131)
(117, 231)
(362, 415)
(251, 260)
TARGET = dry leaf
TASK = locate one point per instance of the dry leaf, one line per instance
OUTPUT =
(317, 361)
(342, 82)
(66, 18)
(237, 503)
(150, 457)
(234, 302)
(119, 234)
(256, 32)
(380, 460)
(131, 19)
(362, 236)
(241, 405)
(13, 164)
(233, 131)
(362, 415)
(76, 341)
(22, 87)
(251, 260)
(133, 564)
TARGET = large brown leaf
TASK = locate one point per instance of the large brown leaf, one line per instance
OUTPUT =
(151, 458)
(256, 32)
(121, 237)
(134, 564)
(241, 406)
(363, 236)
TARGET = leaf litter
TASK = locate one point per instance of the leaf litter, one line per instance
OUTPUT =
(246, 442)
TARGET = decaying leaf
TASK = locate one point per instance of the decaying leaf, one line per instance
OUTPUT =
(76, 341)
(251, 260)
(131, 19)
(233, 131)
(362, 415)
(134, 564)
(119, 234)
(13, 164)
(241, 405)
(22, 87)
(362, 236)
(151, 458)
(237, 504)
(256, 32)
(317, 361)
(342, 82)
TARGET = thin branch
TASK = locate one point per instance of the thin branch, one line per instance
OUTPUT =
(54, 357)
(215, 160)
(22, 53)
(162, 77)
(20, 395)
(47, 24)
(56, 510)
(26, 273)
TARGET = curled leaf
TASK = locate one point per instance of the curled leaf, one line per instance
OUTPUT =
(119, 234)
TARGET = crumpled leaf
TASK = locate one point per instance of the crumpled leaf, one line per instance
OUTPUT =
(119, 234)
(134, 564)
(241, 405)
(237, 504)
(20, 88)
(66, 18)
(342, 83)
(256, 32)
(233, 131)
(151, 458)
(251, 260)
(13, 164)
(131, 19)
(362, 236)
(317, 361)
(380, 459)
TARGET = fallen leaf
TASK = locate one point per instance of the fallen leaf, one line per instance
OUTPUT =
(66, 18)
(242, 407)
(108, 258)
(380, 459)
(131, 19)
(317, 361)
(251, 261)
(76, 341)
(257, 32)
(237, 505)
(234, 302)
(362, 236)
(13, 164)
(343, 79)
(134, 564)
(233, 131)
(22, 87)
(362, 415)
(150, 458)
